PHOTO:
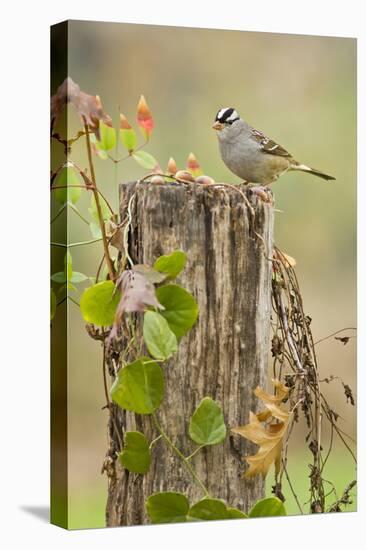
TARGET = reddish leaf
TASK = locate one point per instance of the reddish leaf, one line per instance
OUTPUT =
(193, 165)
(144, 117)
(123, 122)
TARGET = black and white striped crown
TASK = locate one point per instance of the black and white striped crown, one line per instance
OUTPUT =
(228, 115)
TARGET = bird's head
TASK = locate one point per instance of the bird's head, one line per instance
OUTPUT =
(226, 117)
(227, 124)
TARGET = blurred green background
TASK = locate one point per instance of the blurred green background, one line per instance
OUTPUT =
(300, 91)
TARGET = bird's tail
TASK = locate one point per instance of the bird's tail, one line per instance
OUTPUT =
(304, 168)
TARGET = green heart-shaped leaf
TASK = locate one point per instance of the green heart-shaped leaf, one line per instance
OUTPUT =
(65, 179)
(145, 160)
(97, 149)
(234, 513)
(139, 386)
(159, 339)
(180, 308)
(209, 509)
(135, 456)
(59, 277)
(267, 507)
(78, 277)
(128, 138)
(207, 425)
(168, 507)
(107, 139)
(99, 302)
(171, 264)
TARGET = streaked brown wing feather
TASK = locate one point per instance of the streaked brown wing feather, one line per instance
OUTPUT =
(268, 145)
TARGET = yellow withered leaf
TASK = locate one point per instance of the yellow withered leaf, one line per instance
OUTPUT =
(286, 258)
(266, 429)
(280, 395)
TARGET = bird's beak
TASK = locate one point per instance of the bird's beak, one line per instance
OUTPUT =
(217, 125)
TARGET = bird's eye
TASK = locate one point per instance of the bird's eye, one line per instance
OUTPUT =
(231, 121)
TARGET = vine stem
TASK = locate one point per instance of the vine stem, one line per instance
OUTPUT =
(97, 203)
(73, 301)
(291, 487)
(154, 441)
(106, 392)
(127, 228)
(55, 187)
(289, 339)
(86, 187)
(59, 212)
(194, 452)
(179, 454)
(116, 161)
(73, 207)
(105, 384)
(334, 334)
(83, 175)
(71, 245)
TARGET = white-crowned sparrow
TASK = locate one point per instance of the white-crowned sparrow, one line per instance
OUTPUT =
(251, 155)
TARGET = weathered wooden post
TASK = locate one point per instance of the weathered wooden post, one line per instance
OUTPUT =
(225, 356)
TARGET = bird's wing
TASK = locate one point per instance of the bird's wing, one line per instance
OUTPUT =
(268, 145)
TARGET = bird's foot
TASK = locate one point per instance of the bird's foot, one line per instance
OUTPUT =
(261, 191)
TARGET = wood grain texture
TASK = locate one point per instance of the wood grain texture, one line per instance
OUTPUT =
(224, 356)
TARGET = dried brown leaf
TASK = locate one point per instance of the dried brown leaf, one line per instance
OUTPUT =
(151, 274)
(266, 429)
(137, 293)
(280, 395)
(89, 107)
(115, 235)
